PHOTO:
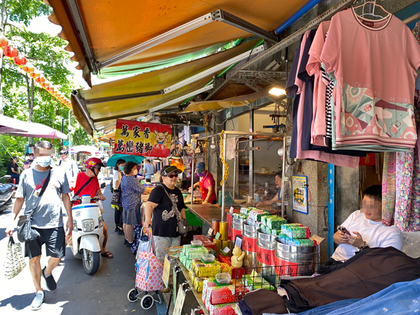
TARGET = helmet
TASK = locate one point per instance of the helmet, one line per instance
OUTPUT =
(64, 151)
(93, 161)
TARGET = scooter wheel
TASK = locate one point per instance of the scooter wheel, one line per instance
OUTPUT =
(147, 302)
(132, 295)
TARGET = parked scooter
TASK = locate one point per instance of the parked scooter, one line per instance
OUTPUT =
(6, 192)
(87, 236)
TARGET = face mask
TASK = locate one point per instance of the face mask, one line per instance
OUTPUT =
(121, 168)
(200, 174)
(43, 161)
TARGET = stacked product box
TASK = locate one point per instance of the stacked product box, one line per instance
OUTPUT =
(296, 234)
(272, 224)
(189, 253)
(253, 282)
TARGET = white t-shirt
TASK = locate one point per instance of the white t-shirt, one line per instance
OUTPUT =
(375, 234)
(71, 169)
(115, 178)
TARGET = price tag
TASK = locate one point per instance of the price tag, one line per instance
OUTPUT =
(238, 241)
(226, 250)
(166, 271)
(179, 301)
(231, 209)
(210, 231)
(217, 236)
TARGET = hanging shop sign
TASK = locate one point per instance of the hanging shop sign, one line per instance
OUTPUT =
(300, 193)
(144, 139)
(369, 159)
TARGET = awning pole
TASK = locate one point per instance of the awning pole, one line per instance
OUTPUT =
(224, 182)
(192, 178)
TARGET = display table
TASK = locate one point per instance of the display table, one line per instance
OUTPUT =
(205, 213)
(196, 296)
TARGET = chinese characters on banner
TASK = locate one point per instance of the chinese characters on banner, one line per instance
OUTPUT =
(145, 139)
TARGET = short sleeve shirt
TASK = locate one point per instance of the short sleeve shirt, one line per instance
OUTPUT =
(205, 182)
(48, 212)
(131, 191)
(90, 189)
(375, 234)
(164, 221)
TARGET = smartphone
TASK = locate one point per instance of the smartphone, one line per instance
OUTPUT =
(343, 229)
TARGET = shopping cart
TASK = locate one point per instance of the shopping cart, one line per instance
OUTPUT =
(148, 273)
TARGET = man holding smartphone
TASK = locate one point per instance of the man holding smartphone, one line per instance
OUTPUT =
(363, 229)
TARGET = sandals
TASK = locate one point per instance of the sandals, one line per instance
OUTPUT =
(107, 254)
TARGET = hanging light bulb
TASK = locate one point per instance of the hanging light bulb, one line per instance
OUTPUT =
(212, 145)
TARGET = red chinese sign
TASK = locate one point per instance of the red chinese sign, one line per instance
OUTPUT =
(145, 139)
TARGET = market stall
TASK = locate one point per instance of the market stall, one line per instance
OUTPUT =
(256, 251)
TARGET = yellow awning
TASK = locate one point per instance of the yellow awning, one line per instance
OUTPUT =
(105, 113)
(113, 26)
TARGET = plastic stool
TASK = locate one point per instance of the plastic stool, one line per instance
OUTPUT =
(12, 180)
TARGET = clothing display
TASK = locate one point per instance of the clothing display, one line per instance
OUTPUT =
(388, 188)
(348, 109)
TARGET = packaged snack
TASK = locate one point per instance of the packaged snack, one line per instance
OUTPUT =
(299, 242)
(196, 252)
(223, 309)
(207, 282)
(198, 284)
(275, 222)
(226, 268)
(228, 294)
(296, 231)
(206, 270)
(282, 238)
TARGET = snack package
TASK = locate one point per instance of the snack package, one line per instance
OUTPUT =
(226, 268)
(275, 222)
(206, 270)
(228, 294)
(196, 252)
(283, 238)
(223, 309)
(207, 282)
(198, 284)
(252, 282)
(299, 241)
(296, 231)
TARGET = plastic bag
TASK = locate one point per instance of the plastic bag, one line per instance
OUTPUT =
(14, 262)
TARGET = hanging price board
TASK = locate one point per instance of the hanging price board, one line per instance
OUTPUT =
(179, 301)
(166, 271)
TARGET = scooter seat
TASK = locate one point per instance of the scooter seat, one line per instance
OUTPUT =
(5, 188)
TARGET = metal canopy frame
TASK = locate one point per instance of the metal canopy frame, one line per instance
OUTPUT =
(80, 28)
(244, 134)
(282, 44)
(217, 15)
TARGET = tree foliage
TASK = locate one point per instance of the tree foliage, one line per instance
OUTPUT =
(47, 54)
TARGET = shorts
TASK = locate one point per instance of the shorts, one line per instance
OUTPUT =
(54, 240)
(162, 243)
(133, 216)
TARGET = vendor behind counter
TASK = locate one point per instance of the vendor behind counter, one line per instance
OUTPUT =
(206, 184)
(277, 198)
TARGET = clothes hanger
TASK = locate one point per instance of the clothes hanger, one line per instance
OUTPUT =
(371, 13)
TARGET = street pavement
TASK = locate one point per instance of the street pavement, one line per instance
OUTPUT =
(77, 293)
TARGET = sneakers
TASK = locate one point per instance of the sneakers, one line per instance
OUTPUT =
(51, 284)
(38, 300)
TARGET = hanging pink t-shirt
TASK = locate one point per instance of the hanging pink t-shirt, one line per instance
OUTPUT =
(336, 159)
(375, 63)
(319, 127)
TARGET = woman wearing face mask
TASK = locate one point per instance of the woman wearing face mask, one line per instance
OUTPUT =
(206, 184)
(131, 191)
(116, 198)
